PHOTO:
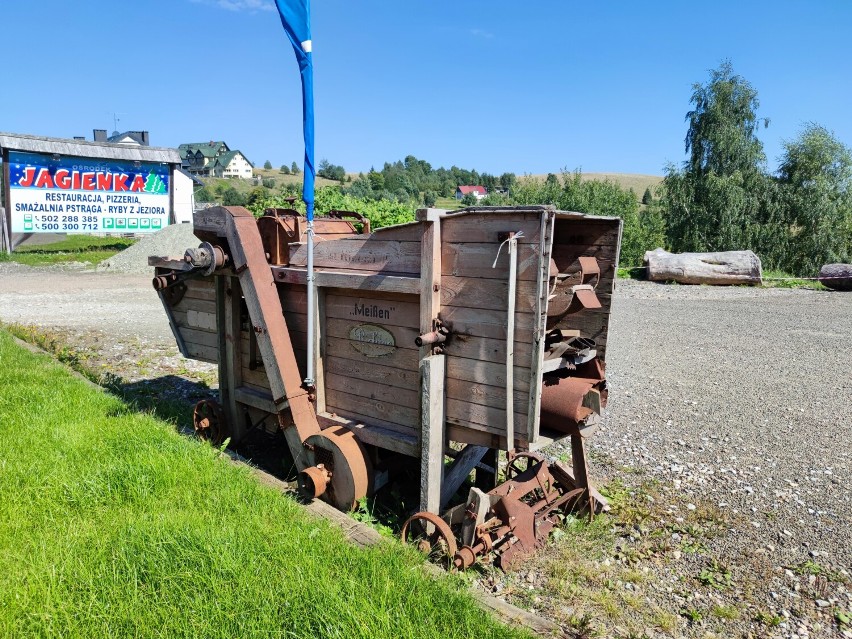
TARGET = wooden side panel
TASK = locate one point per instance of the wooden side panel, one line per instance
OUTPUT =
(195, 316)
(591, 238)
(474, 304)
(371, 360)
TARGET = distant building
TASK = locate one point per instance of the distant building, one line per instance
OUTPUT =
(214, 159)
(128, 138)
(478, 192)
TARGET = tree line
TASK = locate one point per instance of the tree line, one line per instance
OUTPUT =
(722, 197)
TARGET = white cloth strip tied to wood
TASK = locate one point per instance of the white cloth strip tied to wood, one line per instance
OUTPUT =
(722, 268)
(512, 241)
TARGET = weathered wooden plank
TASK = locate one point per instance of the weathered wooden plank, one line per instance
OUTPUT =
(410, 232)
(256, 377)
(362, 281)
(483, 393)
(486, 294)
(348, 412)
(466, 435)
(345, 403)
(401, 358)
(187, 304)
(490, 373)
(483, 323)
(400, 442)
(370, 371)
(487, 350)
(459, 470)
(487, 228)
(468, 259)
(586, 232)
(373, 391)
(480, 417)
(203, 353)
(361, 253)
(432, 375)
(200, 337)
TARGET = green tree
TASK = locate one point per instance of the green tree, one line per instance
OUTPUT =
(232, 197)
(204, 195)
(718, 199)
(469, 200)
(284, 169)
(816, 181)
(331, 171)
(267, 165)
(268, 183)
(507, 181)
(294, 169)
(430, 198)
(647, 197)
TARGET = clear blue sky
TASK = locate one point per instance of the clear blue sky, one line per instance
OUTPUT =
(528, 87)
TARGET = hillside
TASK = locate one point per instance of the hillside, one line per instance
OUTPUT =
(635, 181)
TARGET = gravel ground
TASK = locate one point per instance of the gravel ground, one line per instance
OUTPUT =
(735, 400)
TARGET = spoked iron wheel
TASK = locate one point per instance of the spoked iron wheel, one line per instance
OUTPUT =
(432, 536)
(520, 463)
(208, 418)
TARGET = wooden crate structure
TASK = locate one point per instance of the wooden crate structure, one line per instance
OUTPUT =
(377, 293)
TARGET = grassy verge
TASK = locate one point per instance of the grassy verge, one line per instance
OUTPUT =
(74, 248)
(112, 524)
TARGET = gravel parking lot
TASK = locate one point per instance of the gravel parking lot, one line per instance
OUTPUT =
(735, 396)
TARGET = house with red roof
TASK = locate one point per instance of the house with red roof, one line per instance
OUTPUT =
(479, 192)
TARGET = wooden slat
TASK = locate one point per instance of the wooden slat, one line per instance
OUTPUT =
(370, 371)
(371, 390)
(373, 308)
(356, 280)
(402, 358)
(362, 254)
(479, 417)
(486, 294)
(403, 337)
(487, 350)
(483, 393)
(490, 373)
(485, 228)
(467, 259)
(369, 433)
(402, 419)
(200, 337)
(483, 323)
(203, 353)
(187, 304)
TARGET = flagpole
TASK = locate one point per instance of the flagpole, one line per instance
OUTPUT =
(296, 20)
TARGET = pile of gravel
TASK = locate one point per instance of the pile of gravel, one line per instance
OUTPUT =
(171, 241)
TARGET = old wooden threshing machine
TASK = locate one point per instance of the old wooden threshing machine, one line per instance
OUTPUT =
(439, 344)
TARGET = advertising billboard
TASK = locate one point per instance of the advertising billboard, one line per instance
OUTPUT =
(53, 194)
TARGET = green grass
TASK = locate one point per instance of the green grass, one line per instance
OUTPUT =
(112, 524)
(74, 248)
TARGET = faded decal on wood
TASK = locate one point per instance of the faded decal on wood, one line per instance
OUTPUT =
(372, 340)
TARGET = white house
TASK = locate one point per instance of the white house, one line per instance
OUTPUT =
(214, 159)
(478, 192)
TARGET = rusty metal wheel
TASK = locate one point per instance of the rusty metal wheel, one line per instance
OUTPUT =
(520, 463)
(208, 418)
(345, 465)
(432, 536)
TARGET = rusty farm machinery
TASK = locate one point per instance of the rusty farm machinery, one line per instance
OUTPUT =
(452, 349)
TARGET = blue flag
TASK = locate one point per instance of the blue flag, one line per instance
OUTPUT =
(296, 18)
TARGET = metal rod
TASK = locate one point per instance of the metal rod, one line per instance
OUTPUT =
(309, 378)
(510, 345)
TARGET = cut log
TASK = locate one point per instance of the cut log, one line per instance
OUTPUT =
(724, 268)
(836, 276)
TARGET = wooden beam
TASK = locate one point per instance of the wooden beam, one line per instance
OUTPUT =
(432, 372)
(459, 470)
